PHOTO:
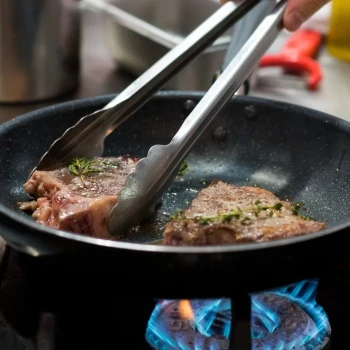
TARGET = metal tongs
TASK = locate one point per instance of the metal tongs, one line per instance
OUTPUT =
(154, 174)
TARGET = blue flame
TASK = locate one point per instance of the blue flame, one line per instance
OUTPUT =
(205, 318)
(304, 294)
(211, 322)
(270, 319)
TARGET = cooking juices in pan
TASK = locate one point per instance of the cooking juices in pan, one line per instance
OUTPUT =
(78, 197)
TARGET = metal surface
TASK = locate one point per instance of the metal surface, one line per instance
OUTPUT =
(154, 174)
(86, 138)
(137, 35)
(39, 49)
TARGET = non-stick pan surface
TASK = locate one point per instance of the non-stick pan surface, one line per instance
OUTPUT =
(297, 153)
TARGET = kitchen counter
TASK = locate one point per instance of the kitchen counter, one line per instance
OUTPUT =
(99, 76)
(333, 96)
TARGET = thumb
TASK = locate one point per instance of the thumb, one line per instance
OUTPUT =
(298, 11)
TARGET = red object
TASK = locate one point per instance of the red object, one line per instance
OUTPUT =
(297, 56)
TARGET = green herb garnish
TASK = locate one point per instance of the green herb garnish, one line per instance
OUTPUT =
(82, 166)
(256, 207)
(305, 217)
(297, 207)
(295, 211)
(230, 216)
(278, 206)
(179, 214)
(108, 162)
(205, 221)
(238, 214)
(183, 168)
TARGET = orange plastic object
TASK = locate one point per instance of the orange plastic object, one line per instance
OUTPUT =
(297, 56)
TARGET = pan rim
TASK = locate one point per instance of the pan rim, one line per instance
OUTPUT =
(241, 247)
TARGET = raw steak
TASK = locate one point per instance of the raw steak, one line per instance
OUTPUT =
(224, 214)
(78, 197)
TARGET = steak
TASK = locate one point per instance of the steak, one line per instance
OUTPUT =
(78, 197)
(225, 214)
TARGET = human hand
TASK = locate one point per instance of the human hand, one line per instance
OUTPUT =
(298, 11)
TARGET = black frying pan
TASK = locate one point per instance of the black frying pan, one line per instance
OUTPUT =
(297, 153)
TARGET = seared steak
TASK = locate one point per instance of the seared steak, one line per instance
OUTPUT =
(224, 214)
(78, 197)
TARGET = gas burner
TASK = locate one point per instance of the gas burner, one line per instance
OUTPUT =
(280, 323)
(172, 326)
(284, 319)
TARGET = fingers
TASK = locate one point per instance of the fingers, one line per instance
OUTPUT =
(298, 11)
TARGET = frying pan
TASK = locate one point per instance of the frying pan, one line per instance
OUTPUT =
(297, 153)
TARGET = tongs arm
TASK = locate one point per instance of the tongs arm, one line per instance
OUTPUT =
(171, 63)
(153, 174)
(86, 138)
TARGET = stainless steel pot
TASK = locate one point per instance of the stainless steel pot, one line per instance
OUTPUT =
(39, 49)
(138, 33)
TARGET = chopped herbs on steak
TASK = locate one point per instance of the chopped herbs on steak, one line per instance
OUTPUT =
(183, 168)
(225, 214)
(78, 197)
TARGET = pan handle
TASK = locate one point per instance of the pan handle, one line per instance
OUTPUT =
(31, 242)
(24, 247)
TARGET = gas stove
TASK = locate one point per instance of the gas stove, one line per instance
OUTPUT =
(311, 314)
(287, 318)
